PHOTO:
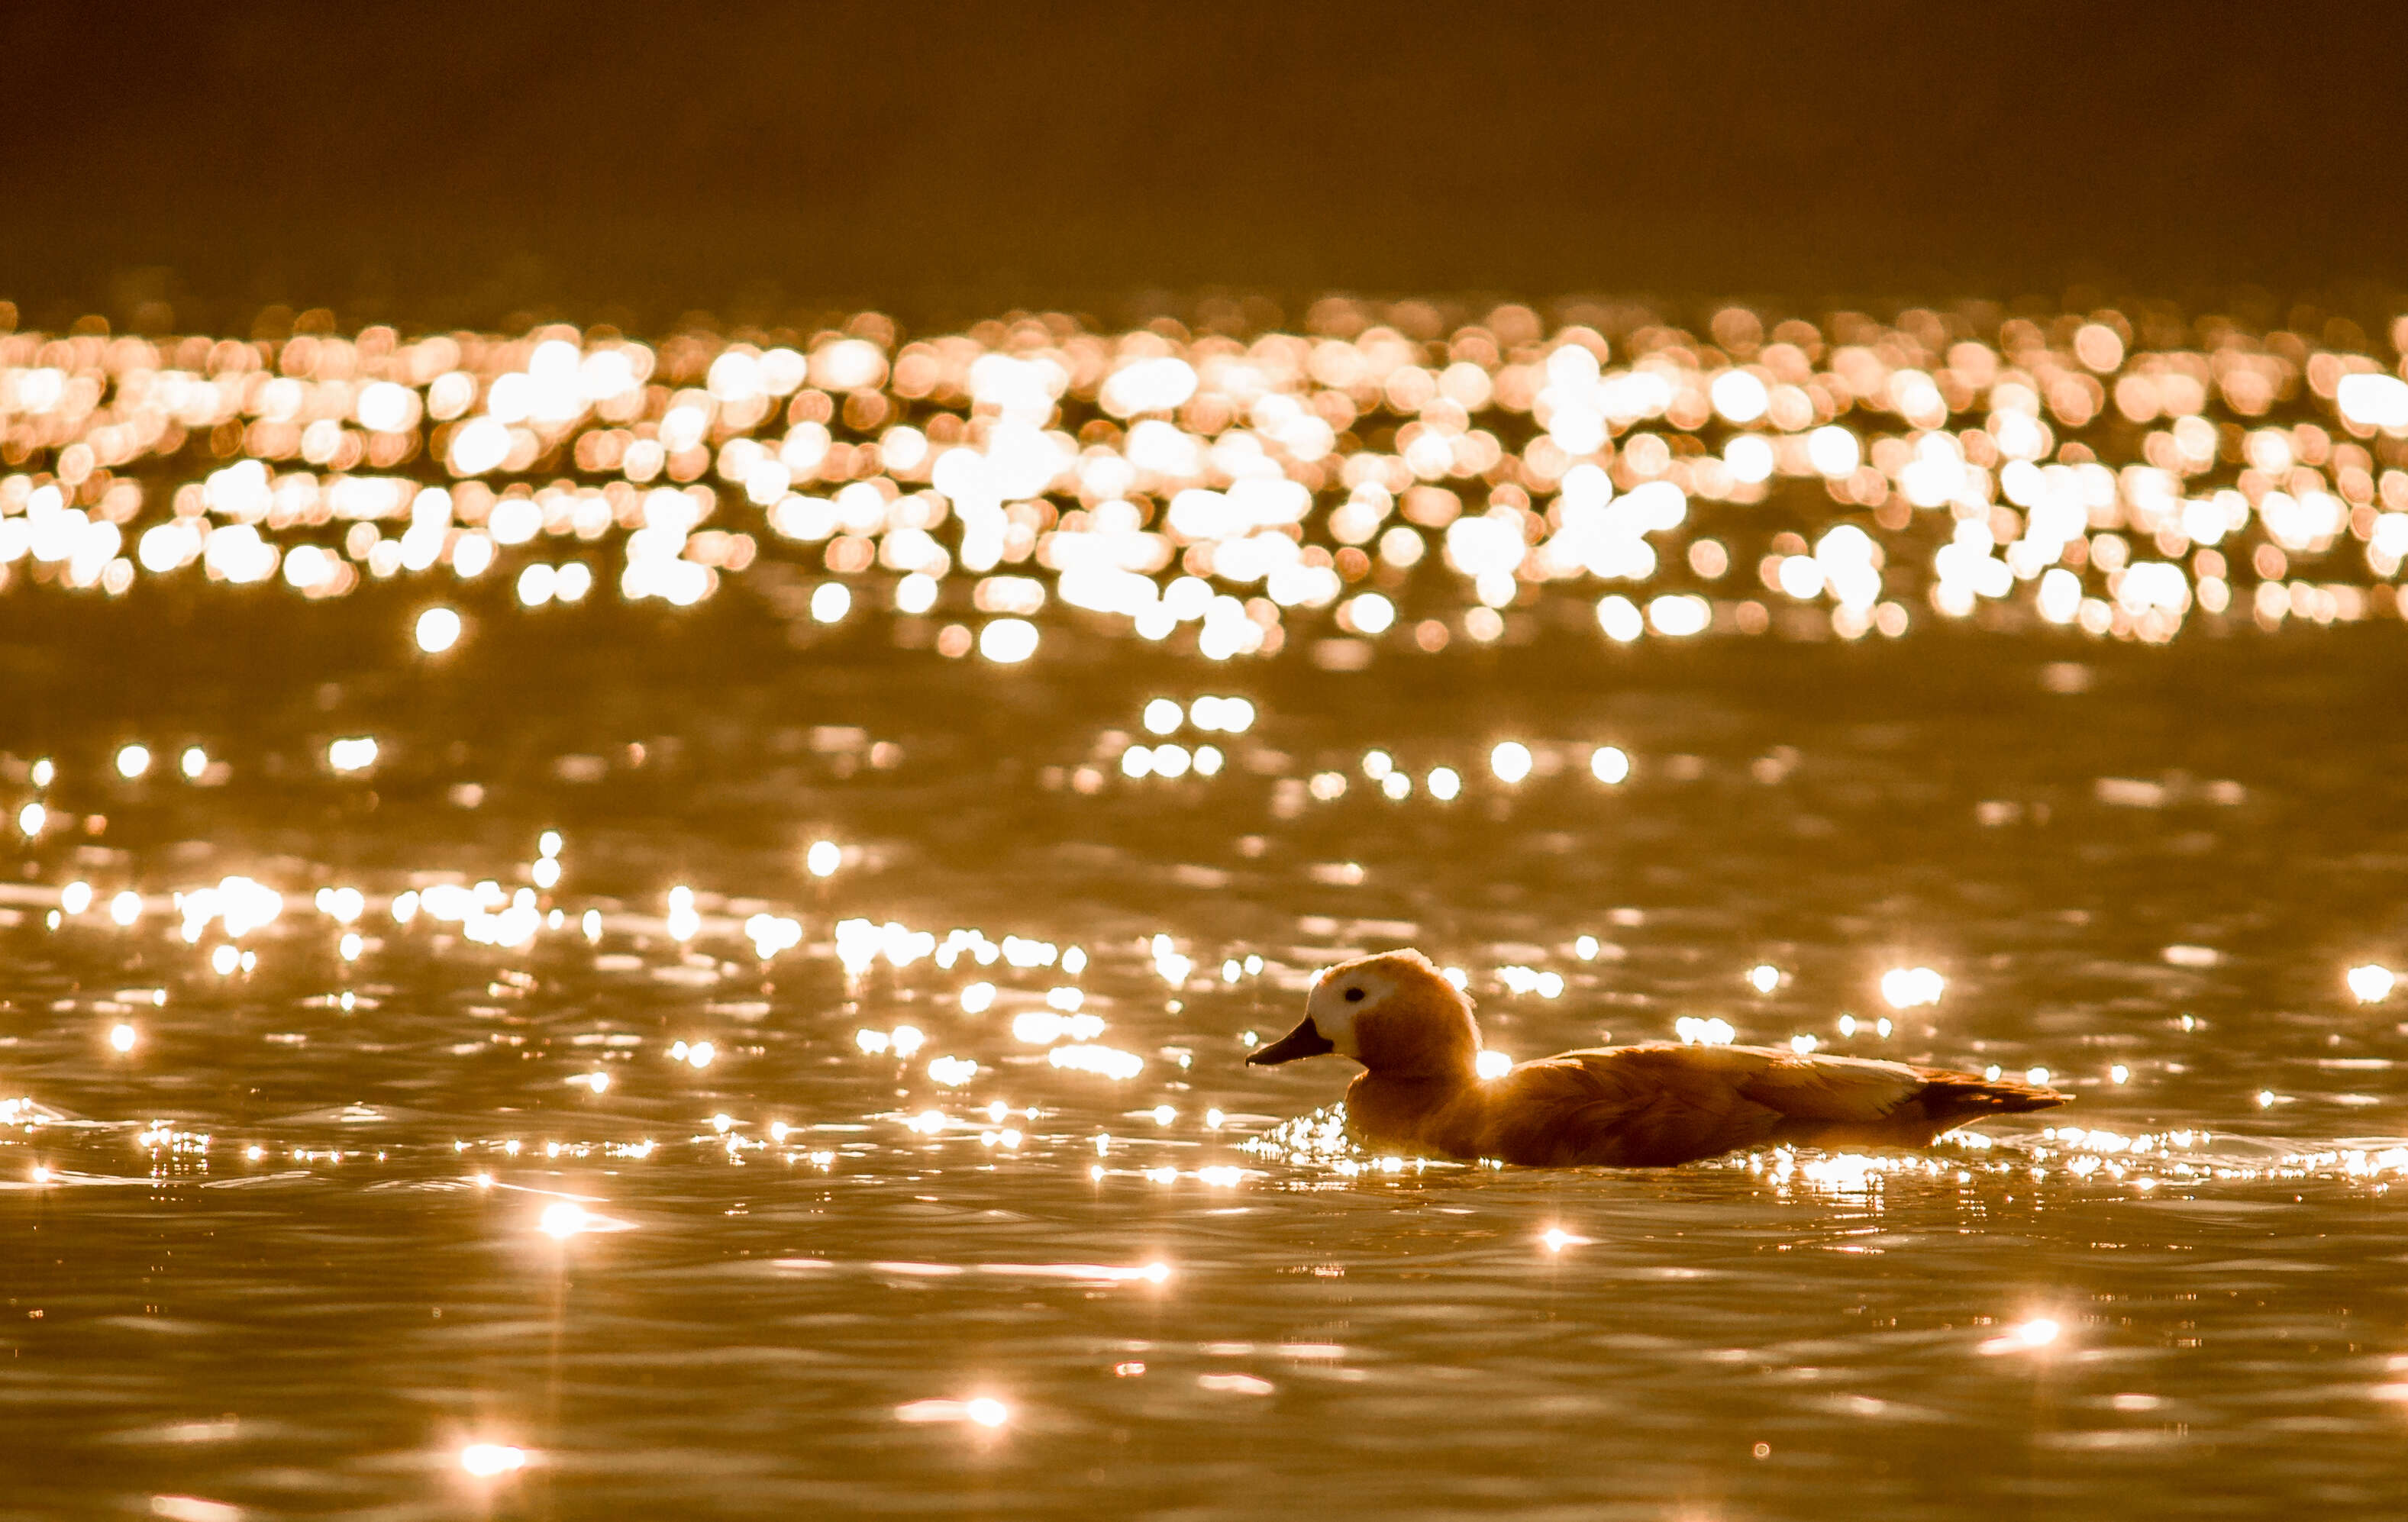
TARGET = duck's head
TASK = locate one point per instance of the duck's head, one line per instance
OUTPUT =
(1392, 1013)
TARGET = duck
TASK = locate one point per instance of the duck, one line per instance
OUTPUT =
(1647, 1105)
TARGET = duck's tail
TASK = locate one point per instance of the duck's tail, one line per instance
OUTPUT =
(1952, 1099)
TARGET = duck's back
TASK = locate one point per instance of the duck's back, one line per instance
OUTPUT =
(1656, 1104)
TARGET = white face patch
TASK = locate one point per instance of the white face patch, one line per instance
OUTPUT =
(1333, 1014)
(1336, 1027)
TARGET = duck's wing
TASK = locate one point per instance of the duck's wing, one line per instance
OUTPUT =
(1856, 1102)
(1662, 1104)
(1853, 1101)
(1850, 1090)
(1625, 1106)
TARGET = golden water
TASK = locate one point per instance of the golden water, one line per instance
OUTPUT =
(765, 1033)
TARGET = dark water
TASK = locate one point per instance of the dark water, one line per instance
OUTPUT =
(290, 1257)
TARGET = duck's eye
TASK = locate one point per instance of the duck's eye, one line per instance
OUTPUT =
(1354, 996)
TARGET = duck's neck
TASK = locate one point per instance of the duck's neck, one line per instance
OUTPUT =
(1412, 1112)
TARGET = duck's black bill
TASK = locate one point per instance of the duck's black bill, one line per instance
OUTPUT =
(1306, 1040)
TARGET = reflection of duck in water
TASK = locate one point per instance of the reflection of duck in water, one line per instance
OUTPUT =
(1623, 1106)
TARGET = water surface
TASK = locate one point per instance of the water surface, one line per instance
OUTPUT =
(731, 1050)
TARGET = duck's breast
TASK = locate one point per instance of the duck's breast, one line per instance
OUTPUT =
(1413, 1118)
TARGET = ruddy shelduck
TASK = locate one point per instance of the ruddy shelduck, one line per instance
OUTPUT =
(1420, 1091)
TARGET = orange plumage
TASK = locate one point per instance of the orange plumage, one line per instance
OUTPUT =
(1624, 1106)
